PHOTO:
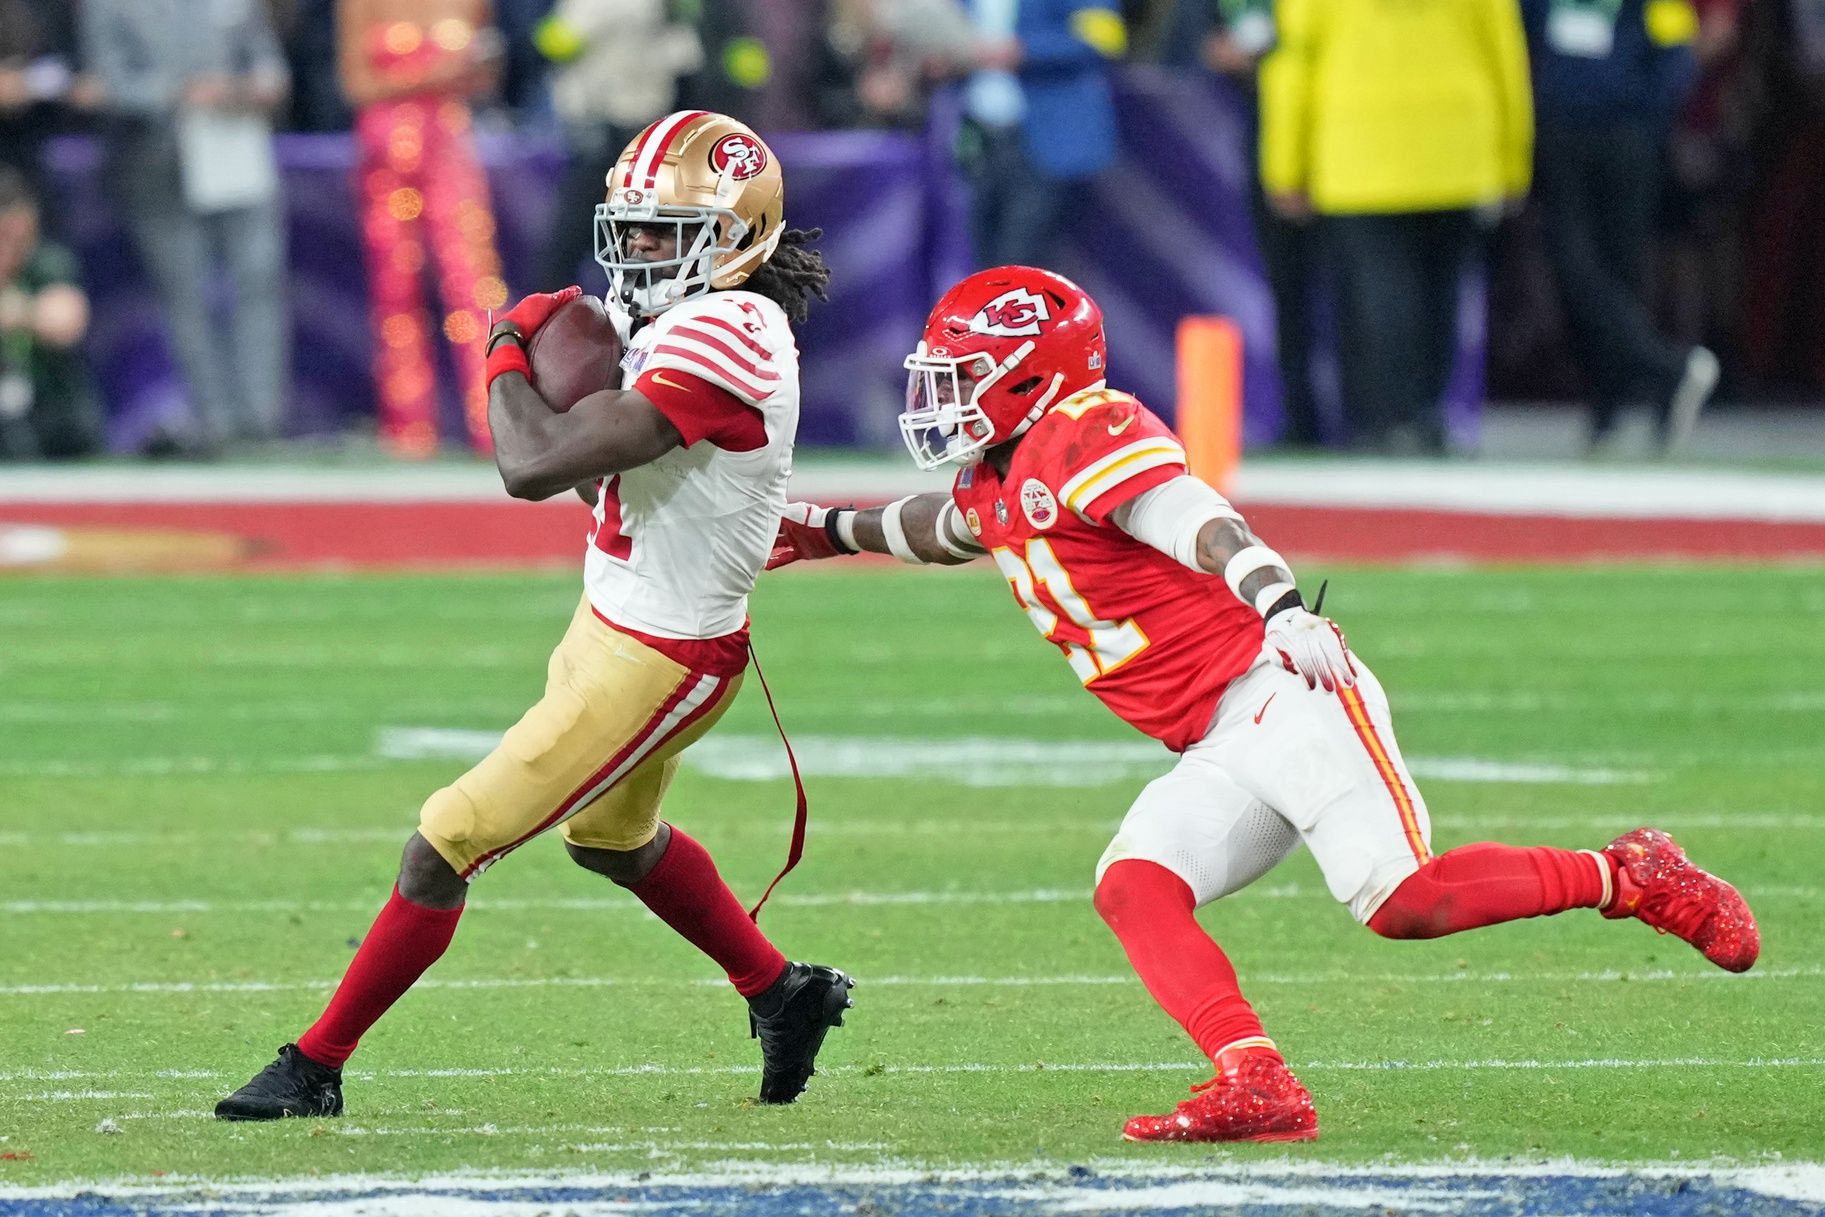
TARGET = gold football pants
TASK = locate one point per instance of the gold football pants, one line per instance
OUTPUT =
(594, 755)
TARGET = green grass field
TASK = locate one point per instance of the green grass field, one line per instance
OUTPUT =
(196, 827)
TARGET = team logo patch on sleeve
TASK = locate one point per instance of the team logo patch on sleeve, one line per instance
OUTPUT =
(1037, 502)
(974, 521)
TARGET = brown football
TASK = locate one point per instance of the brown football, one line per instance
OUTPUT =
(575, 353)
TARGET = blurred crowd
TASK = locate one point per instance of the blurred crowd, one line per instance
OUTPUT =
(1639, 178)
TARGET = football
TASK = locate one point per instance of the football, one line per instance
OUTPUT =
(576, 353)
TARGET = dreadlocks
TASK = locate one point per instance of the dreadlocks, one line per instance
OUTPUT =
(794, 274)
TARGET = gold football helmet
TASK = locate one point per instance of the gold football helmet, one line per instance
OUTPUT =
(713, 181)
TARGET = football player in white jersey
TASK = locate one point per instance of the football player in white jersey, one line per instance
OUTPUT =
(686, 466)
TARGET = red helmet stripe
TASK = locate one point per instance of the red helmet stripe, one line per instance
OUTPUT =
(651, 152)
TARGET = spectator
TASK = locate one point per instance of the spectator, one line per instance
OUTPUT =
(1393, 122)
(410, 68)
(47, 407)
(1784, 304)
(1705, 185)
(1244, 34)
(524, 87)
(1609, 77)
(307, 31)
(616, 65)
(1040, 121)
(190, 89)
(37, 79)
(883, 59)
(900, 50)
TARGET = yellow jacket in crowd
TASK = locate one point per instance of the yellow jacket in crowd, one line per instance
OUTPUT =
(1397, 105)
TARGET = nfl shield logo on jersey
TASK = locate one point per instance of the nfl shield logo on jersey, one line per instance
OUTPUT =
(1037, 501)
(1001, 512)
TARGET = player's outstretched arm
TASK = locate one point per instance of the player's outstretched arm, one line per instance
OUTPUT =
(1188, 520)
(924, 529)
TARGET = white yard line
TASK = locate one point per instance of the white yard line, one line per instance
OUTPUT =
(197, 766)
(1646, 975)
(973, 760)
(612, 904)
(485, 904)
(1423, 1065)
(1461, 822)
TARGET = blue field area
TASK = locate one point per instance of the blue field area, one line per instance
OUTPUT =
(1227, 1190)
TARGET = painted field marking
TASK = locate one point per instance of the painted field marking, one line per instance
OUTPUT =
(1455, 701)
(973, 760)
(486, 905)
(1479, 701)
(1317, 1185)
(199, 766)
(1395, 1065)
(853, 899)
(1049, 825)
(1645, 975)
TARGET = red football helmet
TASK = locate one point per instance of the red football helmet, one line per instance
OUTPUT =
(1022, 339)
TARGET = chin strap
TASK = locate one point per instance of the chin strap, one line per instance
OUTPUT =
(802, 814)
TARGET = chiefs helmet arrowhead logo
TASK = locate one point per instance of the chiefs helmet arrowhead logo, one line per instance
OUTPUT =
(1014, 314)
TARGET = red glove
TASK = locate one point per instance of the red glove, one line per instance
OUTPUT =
(522, 321)
(807, 531)
(535, 310)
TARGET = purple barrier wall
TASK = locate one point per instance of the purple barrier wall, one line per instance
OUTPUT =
(1164, 233)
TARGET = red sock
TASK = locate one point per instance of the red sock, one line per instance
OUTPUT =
(1486, 884)
(1150, 909)
(687, 894)
(405, 940)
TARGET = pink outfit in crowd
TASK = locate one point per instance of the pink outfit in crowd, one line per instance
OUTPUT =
(421, 185)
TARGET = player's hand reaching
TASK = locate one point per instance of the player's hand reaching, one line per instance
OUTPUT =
(806, 531)
(1313, 647)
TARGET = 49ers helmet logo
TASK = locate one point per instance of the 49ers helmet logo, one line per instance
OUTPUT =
(1013, 314)
(739, 156)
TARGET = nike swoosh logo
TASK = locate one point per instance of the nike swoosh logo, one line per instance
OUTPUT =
(1118, 428)
(1264, 706)
(659, 377)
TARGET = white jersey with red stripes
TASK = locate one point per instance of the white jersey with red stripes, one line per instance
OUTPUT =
(678, 543)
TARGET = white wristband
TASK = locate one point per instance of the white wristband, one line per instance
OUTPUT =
(895, 532)
(844, 527)
(1265, 598)
(1246, 562)
(951, 537)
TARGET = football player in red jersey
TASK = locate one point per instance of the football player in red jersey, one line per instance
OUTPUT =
(1191, 629)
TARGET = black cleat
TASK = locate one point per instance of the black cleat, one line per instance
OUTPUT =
(803, 1005)
(293, 1085)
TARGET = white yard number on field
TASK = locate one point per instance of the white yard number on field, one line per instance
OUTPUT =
(1112, 643)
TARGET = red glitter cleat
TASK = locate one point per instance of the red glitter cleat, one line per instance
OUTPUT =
(1656, 883)
(1258, 1099)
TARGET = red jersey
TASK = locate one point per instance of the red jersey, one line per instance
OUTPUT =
(1156, 641)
